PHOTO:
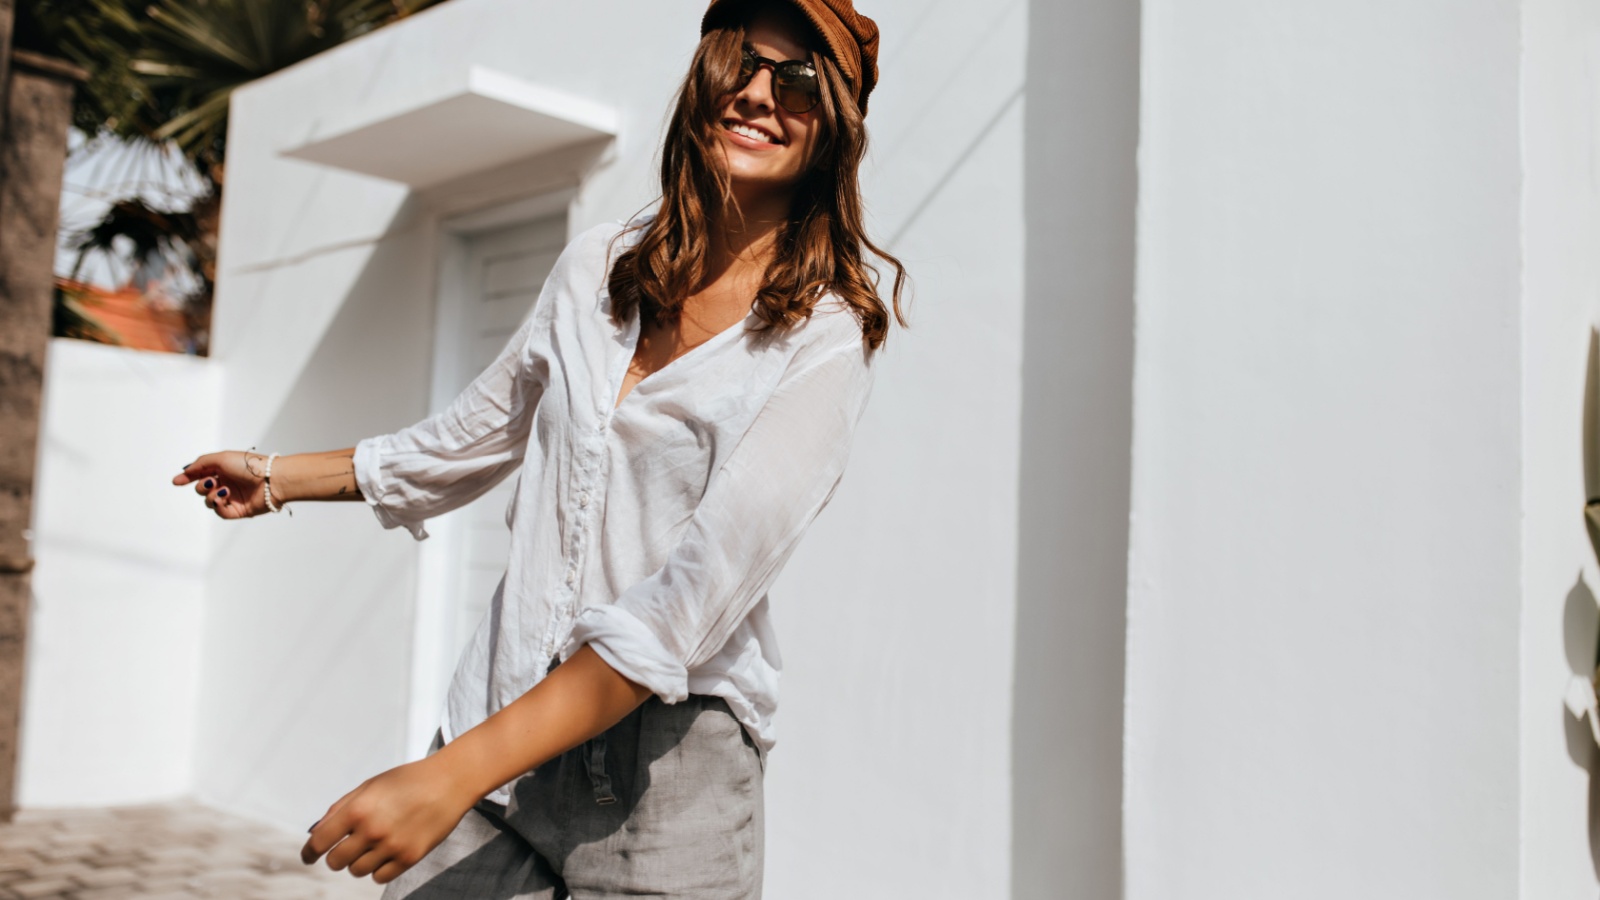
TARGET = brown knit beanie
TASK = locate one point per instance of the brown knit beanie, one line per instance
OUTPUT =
(851, 37)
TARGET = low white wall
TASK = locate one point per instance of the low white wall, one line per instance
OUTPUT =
(113, 648)
(1561, 441)
(1325, 567)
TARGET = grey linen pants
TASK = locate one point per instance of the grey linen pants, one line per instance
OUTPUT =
(667, 804)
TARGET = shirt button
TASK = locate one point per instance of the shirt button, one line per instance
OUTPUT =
(572, 576)
(583, 500)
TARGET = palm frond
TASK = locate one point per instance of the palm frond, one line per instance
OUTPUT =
(201, 125)
(162, 69)
(69, 318)
(148, 232)
(185, 29)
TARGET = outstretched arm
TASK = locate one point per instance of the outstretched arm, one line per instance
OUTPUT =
(429, 468)
(391, 821)
(234, 481)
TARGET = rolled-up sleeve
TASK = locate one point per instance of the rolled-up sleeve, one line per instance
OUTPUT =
(452, 458)
(756, 507)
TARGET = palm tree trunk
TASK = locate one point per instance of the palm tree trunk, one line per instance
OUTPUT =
(33, 149)
(7, 17)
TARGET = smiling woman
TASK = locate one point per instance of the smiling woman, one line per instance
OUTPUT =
(679, 408)
(789, 174)
(768, 144)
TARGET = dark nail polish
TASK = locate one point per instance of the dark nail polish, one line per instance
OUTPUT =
(208, 484)
(222, 493)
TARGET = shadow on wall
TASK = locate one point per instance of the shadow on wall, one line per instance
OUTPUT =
(1080, 173)
(306, 664)
(1581, 616)
(1581, 622)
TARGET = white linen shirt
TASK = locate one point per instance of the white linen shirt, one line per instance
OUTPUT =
(649, 530)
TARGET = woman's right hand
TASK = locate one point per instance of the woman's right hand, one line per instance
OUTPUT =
(232, 482)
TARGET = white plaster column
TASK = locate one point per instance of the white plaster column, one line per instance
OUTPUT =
(1325, 557)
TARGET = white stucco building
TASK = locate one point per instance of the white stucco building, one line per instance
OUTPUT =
(1255, 567)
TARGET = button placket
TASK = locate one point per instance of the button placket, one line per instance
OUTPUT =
(588, 464)
(589, 467)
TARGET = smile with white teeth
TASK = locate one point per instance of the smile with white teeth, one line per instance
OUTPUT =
(752, 133)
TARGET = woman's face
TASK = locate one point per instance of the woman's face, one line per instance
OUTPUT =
(766, 146)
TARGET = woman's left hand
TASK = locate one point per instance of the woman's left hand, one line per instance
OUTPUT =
(390, 822)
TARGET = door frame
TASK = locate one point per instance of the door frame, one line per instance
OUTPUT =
(432, 655)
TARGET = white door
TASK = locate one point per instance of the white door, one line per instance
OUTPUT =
(490, 281)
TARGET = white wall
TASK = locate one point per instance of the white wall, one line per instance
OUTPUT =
(1561, 445)
(306, 648)
(113, 645)
(1324, 565)
(1364, 418)
(1357, 576)
(896, 615)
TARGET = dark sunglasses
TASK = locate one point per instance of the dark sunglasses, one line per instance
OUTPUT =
(794, 81)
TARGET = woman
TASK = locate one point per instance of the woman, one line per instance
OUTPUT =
(677, 409)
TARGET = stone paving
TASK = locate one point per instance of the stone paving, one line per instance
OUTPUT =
(177, 851)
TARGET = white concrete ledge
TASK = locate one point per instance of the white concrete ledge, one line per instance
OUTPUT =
(485, 120)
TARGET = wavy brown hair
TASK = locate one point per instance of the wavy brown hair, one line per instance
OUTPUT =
(818, 251)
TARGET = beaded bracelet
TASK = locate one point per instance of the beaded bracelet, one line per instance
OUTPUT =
(266, 485)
